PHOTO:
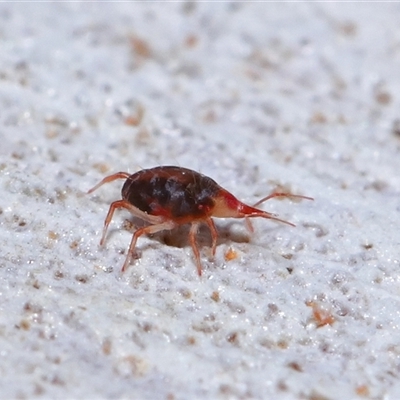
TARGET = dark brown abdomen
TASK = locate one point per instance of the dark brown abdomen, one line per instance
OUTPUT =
(171, 191)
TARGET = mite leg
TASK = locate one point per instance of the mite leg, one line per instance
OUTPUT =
(272, 195)
(192, 237)
(214, 234)
(107, 179)
(145, 230)
(113, 207)
(263, 214)
(249, 225)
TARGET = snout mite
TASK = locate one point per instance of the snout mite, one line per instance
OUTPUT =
(168, 196)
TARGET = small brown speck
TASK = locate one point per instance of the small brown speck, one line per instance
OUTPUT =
(191, 41)
(106, 346)
(82, 278)
(318, 118)
(52, 235)
(321, 315)
(25, 325)
(16, 155)
(209, 116)
(57, 381)
(295, 366)
(128, 225)
(73, 245)
(231, 254)
(185, 293)
(101, 167)
(140, 47)
(362, 390)
(396, 128)
(32, 308)
(383, 98)
(215, 296)
(39, 390)
(191, 340)
(135, 119)
(233, 338)
(143, 137)
(377, 185)
(348, 28)
(368, 246)
(282, 344)
(36, 284)
(282, 386)
(51, 133)
(58, 275)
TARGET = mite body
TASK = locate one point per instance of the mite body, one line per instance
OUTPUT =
(167, 196)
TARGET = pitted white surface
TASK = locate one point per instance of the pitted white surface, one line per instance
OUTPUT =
(255, 95)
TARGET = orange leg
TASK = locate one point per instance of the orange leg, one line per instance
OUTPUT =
(145, 230)
(192, 237)
(272, 195)
(249, 225)
(113, 207)
(107, 179)
(214, 234)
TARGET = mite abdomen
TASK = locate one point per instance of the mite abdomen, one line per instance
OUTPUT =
(171, 192)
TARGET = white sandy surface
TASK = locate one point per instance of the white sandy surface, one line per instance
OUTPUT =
(303, 96)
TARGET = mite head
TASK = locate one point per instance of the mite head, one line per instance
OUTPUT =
(228, 206)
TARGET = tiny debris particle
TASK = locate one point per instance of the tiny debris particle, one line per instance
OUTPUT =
(191, 340)
(58, 275)
(233, 338)
(383, 97)
(106, 346)
(319, 118)
(287, 256)
(321, 316)
(295, 366)
(36, 284)
(25, 325)
(140, 47)
(215, 296)
(101, 167)
(52, 235)
(185, 293)
(367, 246)
(283, 344)
(82, 278)
(73, 245)
(362, 390)
(231, 254)
(135, 119)
(191, 41)
(396, 128)
(348, 28)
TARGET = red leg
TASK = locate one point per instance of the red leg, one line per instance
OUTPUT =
(249, 225)
(192, 237)
(145, 230)
(113, 207)
(272, 195)
(214, 234)
(107, 179)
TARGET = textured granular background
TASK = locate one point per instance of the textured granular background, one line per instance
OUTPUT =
(298, 96)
